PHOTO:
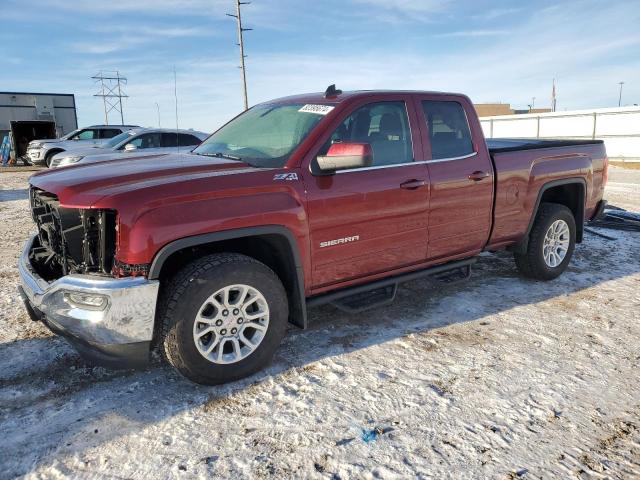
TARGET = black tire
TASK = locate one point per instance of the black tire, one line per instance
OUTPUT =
(183, 297)
(532, 263)
(49, 157)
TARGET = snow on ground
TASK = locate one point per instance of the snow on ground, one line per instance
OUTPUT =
(498, 377)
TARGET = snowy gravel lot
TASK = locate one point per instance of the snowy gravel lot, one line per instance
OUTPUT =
(498, 377)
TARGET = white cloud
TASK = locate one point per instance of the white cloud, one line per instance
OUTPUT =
(402, 11)
(115, 38)
(100, 48)
(496, 13)
(408, 6)
(177, 7)
(152, 31)
(474, 33)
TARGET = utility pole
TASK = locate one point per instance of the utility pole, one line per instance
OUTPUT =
(238, 17)
(620, 96)
(533, 103)
(111, 92)
(158, 109)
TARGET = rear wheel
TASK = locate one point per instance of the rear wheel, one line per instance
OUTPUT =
(551, 243)
(223, 317)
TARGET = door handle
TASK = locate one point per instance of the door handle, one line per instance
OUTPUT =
(413, 184)
(478, 175)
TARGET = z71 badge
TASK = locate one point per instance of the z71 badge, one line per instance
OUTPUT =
(286, 176)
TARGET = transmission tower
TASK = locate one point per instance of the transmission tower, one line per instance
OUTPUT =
(111, 83)
(238, 17)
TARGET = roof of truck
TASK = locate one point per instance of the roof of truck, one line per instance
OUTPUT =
(319, 97)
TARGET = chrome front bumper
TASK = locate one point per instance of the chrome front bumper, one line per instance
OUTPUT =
(118, 333)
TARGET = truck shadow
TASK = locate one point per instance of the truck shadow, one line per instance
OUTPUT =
(53, 406)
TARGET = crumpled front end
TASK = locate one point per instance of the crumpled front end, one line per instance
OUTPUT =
(67, 283)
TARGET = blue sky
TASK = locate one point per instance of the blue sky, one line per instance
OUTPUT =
(491, 50)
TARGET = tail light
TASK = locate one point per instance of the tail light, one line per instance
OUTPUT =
(605, 171)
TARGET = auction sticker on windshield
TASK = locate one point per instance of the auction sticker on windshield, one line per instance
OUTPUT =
(319, 109)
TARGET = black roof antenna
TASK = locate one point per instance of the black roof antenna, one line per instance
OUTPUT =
(332, 91)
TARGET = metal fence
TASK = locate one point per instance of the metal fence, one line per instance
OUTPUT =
(618, 127)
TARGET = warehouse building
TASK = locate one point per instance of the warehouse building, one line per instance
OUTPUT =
(28, 116)
(495, 109)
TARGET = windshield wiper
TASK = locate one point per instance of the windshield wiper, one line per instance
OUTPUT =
(227, 157)
(220, 155)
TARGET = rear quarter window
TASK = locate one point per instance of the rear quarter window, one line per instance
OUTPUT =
(186, 140)
(448, 129)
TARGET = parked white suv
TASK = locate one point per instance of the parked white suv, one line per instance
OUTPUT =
(41, 151)
(137, 142)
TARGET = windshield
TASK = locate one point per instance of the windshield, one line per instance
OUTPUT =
(265, 135)
(117, 139)
(70, 134)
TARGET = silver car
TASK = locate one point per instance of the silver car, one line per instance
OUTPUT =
(137, 142)
(40, 152)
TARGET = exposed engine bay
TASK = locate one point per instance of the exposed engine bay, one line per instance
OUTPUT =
(71, 240)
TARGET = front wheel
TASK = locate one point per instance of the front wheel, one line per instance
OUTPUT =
(49, 158)
(551, 243)
(223, 317)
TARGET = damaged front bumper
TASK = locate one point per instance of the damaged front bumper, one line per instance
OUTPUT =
(109, 321)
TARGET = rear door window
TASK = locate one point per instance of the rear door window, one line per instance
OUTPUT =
(449, 133)
(169, 140)
(146, 140)
(109, 132)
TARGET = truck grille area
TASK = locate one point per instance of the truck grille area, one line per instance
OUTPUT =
(71, 240)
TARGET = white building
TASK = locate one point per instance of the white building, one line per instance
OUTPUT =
(27, 116)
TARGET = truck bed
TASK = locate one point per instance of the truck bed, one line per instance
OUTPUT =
(498, 145)
(524, 166)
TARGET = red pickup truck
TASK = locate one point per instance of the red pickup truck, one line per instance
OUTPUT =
(321, 198)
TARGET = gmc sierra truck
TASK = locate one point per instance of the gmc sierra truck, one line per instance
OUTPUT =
(310, 199)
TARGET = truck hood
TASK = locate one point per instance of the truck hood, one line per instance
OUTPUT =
(81, 186)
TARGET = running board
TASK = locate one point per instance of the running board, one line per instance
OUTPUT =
(383, 292)
(379, 297)
(454, 276)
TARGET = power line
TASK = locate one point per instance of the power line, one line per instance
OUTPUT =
(238, 17)
(111, 83)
